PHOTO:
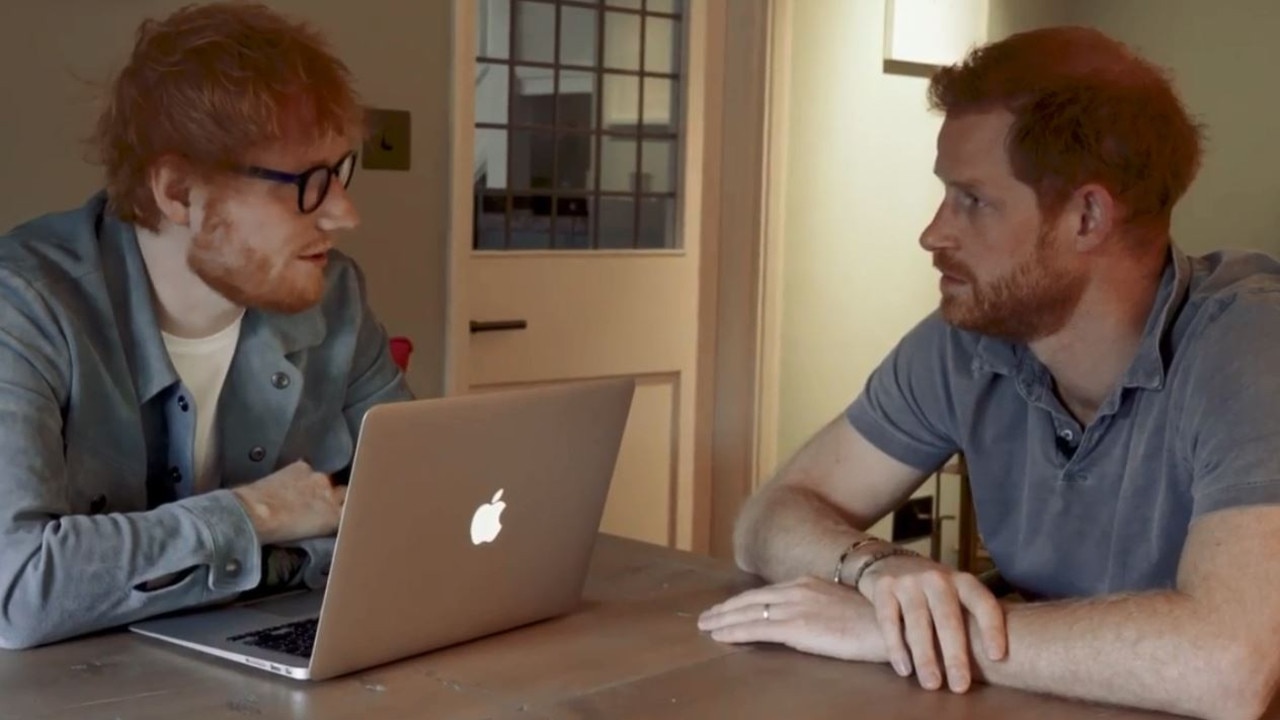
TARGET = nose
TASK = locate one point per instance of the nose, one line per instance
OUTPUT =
(937, 235)
(338, 211)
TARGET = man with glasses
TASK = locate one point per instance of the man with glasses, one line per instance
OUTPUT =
(185, 360)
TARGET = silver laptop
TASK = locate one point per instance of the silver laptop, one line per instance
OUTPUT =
(465, 516)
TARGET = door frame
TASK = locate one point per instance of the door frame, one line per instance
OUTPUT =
(742, 284)
(462, 94)
(745, 104)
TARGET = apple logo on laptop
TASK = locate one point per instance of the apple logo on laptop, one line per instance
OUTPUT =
(487, 522)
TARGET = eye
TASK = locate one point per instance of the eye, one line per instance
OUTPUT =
(968, 202)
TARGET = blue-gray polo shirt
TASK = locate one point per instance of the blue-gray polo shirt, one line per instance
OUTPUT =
(1067, 511)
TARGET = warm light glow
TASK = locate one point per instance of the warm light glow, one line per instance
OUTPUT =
(933, 32)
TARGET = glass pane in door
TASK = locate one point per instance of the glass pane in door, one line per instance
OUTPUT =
(578, 124)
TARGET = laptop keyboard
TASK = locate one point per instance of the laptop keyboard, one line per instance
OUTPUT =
(295, 638)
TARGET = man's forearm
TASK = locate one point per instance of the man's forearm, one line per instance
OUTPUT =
(789, 532)
(1159, 651)
(84, 573)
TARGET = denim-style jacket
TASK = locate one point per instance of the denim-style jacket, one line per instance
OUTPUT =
(96, 431)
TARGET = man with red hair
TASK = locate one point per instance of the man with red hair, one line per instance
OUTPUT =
(1117, 403)
(185, 360)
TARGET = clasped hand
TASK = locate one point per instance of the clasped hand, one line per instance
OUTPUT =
(905, 610)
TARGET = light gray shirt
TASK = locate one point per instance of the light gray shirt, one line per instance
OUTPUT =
(96, 429)
(1193, 427)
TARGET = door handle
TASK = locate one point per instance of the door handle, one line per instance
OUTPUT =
(479, 326)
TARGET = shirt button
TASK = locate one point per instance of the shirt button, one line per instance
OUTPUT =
(232, 568)
(257, 453)
(280, 380)
(182, 403)
(175, 474)
(1067, 435)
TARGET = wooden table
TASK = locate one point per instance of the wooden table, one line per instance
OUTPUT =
(632, 651)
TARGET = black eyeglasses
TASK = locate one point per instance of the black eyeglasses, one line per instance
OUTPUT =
(313, 183)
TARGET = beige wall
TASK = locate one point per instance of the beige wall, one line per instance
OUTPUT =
(859, 189)
(54, 56)
(1006, 17)
(1222, 56)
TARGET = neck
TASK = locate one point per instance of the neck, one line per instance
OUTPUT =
(185, 304)
(1090, 354)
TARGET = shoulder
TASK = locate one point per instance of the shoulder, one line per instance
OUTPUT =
(345, 302)
(1234, 296)
(345, 281)
(934, 332)
(1224, 279)
(943, 348)
(936, 364)
(1228, 333)
(59, 246)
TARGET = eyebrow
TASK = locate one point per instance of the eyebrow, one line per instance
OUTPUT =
(314, 160)
(973, 186)
(308, 162)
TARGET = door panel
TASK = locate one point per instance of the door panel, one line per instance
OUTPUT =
(642, 498)
(584, 313)
(576, 179)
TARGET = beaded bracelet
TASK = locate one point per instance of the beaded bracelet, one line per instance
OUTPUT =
(851, 550)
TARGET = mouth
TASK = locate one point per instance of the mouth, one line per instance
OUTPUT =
(951, 275)
(318, 256)
(951, 282)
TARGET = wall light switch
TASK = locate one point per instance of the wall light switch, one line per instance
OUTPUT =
(388, 145)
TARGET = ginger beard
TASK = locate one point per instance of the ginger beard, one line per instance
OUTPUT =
(1032, 301)
(243, 260)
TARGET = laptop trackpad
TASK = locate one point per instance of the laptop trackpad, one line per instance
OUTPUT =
(291, 606)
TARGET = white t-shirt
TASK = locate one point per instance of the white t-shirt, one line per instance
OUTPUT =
(202, 363)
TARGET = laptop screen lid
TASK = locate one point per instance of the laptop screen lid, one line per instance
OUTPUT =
(466, 516)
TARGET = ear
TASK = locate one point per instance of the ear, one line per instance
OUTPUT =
(1092, 212)
(171, 185)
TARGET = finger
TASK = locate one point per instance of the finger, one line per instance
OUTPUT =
(919, 626)
(986, 610)
(756, 597)
(782, 592)
(889, 616)
(755, 610)
(757, 631)
(339, 495)
(738, 616)
(953, 637)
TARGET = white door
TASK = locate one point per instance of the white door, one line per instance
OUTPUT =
(576, 172)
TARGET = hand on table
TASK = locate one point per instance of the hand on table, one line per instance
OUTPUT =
(912, 607)
(920, 606)
(809, 615)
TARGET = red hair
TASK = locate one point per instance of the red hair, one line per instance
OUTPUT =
(211, 83)
(1086, 109)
